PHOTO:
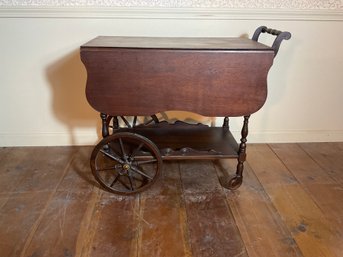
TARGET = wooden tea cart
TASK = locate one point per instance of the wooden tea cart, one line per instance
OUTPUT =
(131, 79)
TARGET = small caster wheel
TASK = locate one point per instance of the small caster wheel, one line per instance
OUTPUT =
(232, 183)
(126, 163)
(235, 182)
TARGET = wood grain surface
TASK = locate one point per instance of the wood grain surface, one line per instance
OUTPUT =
(290, 204)
(200, 43)
(201, 77)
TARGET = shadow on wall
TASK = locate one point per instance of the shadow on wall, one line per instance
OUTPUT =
(278, 78)
(67, 77)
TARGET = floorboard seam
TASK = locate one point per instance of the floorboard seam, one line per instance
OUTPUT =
(316, 162)
(273, 205)
(224, 192)
(41, 216)
(183, 203)
(302, 185)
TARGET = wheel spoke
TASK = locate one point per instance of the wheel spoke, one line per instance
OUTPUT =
(154, 117)
(146, 162)
(124, 184)
(122, 148)
(131, 182)
(108, 168)
(126, 163)
(115, 122)
(115, 180)
(112, 157)
(113, 152)
(136, 150)
(134, 121)
(125, 121)
(140, 172)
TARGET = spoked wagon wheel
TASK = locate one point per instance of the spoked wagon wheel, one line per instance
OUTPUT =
(126, 163)
(116, 122)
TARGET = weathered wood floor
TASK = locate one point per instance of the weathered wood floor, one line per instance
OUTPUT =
(290, 204)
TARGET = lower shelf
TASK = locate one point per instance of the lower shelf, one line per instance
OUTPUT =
(190, 142)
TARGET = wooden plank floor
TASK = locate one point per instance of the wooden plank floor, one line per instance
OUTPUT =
(290, 204)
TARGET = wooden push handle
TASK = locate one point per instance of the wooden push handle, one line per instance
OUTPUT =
(280, 35)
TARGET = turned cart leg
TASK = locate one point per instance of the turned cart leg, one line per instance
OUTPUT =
(104, 125)
(236, 181)
(226, 123)
(241, 154)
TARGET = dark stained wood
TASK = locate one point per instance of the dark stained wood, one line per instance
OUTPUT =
(129, 76)
(181, 43)
(280, 36)
(190, 142)
(121, 81)
(123, 148)
(236, 181)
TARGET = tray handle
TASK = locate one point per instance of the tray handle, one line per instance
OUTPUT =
(280, 35)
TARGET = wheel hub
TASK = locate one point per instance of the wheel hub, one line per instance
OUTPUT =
(126, 166)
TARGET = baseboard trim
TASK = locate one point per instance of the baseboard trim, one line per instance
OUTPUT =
(66, 139)
(48, 139)
(295, 136)
(171, 13)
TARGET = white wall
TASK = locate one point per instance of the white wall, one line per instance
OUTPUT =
(42, 79)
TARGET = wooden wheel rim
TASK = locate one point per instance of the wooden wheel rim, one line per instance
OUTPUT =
(131, 137)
